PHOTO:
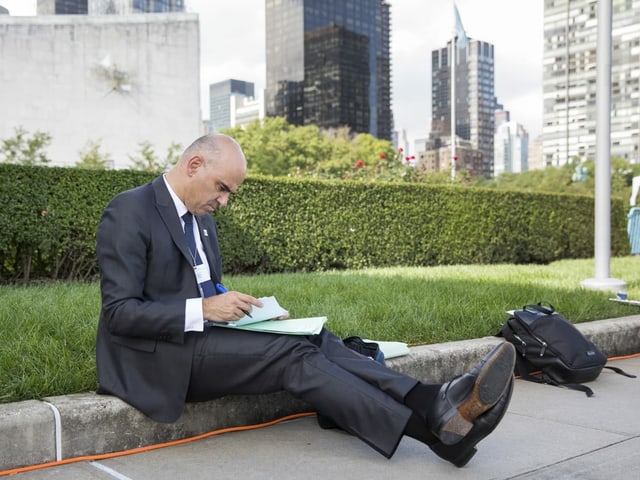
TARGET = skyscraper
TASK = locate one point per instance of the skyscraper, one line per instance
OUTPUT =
(220, 94)
(328, 64)
(158, 6)
(105, 7)
(475, 102)
(569, 80)
(63, 7)
(511, 147)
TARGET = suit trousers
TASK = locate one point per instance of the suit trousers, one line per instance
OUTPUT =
(362, 396)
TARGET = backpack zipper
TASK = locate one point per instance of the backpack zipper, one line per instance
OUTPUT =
(523, 343)
(544, 346)
(542, 343)
(538, 339)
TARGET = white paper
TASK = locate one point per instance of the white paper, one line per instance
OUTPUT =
(270, 309)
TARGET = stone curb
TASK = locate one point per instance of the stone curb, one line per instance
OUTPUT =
(57, 428)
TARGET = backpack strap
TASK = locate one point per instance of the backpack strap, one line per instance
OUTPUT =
(540, 307)
(620, 371)
(571, 386)
(523, 372)
(578, 386)
(583, 388)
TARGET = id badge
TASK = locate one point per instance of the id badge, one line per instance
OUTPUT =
(202, 273)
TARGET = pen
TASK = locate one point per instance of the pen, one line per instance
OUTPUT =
(220, 288)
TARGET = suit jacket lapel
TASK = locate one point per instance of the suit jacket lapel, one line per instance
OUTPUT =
(167, 211)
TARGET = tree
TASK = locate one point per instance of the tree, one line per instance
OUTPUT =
(91, 158)
(275, 147)
(576, 177)
(26, 150)
(148, 161)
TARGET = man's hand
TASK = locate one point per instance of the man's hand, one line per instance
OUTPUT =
(228, 307)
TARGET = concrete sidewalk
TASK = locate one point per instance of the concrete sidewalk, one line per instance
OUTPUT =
(548, 432)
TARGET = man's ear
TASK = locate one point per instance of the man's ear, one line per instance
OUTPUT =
(193, 164)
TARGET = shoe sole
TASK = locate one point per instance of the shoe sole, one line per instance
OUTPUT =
(464, 459)
(489, 387)
(461, 453)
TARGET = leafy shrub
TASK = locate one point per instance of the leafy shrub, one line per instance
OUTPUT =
(49, 217)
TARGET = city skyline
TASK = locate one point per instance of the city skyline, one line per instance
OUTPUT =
(232, 37)
(418, 27)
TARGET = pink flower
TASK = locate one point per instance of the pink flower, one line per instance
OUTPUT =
(359, 164)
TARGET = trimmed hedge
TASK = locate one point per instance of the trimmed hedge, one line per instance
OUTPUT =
(49, 216)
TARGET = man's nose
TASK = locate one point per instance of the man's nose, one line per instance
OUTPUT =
(223, 199)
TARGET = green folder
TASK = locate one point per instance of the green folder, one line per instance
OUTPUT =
(291, 326)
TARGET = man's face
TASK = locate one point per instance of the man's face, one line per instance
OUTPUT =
(212, 184)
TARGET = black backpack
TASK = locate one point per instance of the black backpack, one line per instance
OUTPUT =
(550, 349)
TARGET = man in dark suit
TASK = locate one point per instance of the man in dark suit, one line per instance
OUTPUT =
(159, 260)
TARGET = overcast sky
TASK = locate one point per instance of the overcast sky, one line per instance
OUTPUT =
(233, 46)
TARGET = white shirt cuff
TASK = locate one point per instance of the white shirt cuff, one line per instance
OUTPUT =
(193, 319)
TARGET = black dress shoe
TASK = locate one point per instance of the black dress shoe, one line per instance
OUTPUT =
(460, 453)
(467, 397)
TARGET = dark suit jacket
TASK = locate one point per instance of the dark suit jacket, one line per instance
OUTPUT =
(143, 354)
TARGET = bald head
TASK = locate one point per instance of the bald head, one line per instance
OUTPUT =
(215, 148)
(208, 172)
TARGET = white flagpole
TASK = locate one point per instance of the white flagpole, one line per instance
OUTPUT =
(602, 239)
(452, 58)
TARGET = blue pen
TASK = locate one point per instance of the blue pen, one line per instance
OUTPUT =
(220, 288)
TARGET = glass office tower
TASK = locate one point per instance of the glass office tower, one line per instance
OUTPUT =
(220, 94)
(63, 7)
(105, 7)
(328, 64)
(158, 6)
(569, 81)
(475, 98)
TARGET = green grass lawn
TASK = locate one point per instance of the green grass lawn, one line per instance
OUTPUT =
(48, 331)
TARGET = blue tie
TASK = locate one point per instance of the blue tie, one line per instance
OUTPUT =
(206, 286)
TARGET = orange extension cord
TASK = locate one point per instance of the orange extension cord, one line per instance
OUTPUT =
(104, 456)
